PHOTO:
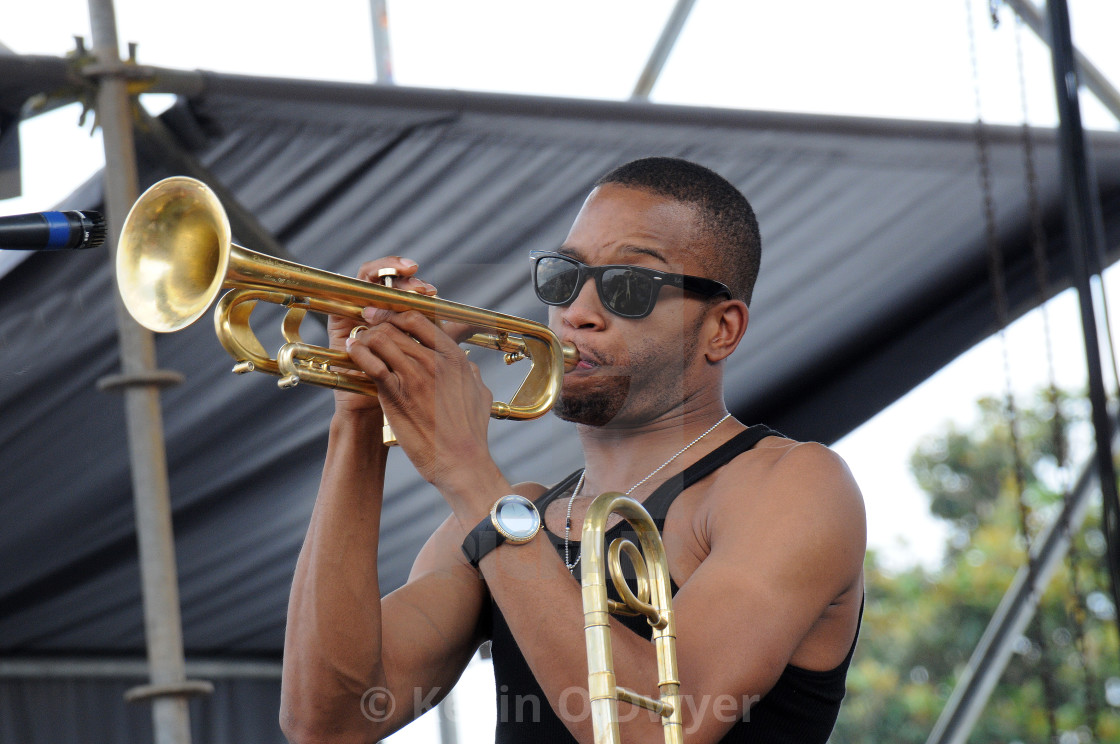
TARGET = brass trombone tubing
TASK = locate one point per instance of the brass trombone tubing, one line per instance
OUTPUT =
(653, 599)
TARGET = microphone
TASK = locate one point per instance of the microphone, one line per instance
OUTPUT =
(51, 231)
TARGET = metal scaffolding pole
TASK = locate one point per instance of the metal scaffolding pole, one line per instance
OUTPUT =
(140, 382)
(660, 54)
(382, 57)
(1018, 606)
(1085, 229)
(448, 719)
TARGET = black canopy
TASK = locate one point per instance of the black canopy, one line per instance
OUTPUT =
(875, 274)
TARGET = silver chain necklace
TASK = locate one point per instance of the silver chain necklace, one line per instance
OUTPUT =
(579, 487)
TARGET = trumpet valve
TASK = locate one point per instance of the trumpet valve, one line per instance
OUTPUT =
(385, 277)
(388, 438)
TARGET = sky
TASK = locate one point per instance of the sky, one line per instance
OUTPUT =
(907, 59)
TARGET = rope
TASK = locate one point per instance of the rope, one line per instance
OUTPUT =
(999, 294)
(1076, 607)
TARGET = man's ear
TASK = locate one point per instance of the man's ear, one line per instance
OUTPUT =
(724, 329)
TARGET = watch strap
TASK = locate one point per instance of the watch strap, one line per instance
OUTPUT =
(481, 540)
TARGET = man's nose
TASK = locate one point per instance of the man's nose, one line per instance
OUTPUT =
(585, 310)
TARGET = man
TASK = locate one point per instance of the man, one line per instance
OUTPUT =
(765, 541)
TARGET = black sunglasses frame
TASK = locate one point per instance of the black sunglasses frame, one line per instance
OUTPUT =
(696, 284)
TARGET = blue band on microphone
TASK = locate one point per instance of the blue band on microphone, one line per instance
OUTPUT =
(59, 229)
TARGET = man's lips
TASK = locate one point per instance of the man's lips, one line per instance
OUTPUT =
(588, 361)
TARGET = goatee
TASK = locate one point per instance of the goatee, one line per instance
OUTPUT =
(594, 407)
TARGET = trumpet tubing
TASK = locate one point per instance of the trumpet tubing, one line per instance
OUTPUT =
(176, 255)
(653, 600)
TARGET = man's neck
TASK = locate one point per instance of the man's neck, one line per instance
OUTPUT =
(618, 457)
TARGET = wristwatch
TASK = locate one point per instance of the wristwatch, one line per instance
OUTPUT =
(513, 519)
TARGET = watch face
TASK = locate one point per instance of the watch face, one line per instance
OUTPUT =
(517, 518)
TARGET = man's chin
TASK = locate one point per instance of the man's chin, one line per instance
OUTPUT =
(597, 408)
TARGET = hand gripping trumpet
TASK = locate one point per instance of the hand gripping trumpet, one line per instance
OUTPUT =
(653, 600)
(175, 256)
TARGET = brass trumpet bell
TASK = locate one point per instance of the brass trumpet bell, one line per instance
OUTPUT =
(175, 256)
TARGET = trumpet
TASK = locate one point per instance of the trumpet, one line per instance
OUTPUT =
(653, 600)
(175, 256)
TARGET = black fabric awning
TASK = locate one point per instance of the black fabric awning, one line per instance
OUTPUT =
(875, 274)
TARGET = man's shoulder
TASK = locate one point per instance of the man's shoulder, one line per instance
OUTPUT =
(786, 475)
(792, 507)
(780, 458)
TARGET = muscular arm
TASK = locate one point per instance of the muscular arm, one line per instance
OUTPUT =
(343, 641)
(760, 600)
(354, 663)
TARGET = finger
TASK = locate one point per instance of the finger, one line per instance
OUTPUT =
(460, 332)
(381, 360)
(372, 368)
(421, 328)
(374, 315)
(415, 284)
(339, 326)
(395, 350)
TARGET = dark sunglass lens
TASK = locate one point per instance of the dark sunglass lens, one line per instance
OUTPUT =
(626, 292)
(556, 279)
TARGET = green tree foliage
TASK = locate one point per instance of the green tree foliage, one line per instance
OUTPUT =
(921, 625)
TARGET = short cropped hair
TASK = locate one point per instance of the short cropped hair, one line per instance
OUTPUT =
(727, 220)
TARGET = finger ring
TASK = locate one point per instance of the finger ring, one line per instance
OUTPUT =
(357, 329)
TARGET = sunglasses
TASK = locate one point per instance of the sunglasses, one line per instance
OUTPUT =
(626, 291)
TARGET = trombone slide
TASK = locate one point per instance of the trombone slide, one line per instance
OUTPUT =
(653, 600)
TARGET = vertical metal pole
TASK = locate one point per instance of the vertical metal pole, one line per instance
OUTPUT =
(1086, 238)
(1016, 609)
(382, 58)
(142, 408)
(448, 719)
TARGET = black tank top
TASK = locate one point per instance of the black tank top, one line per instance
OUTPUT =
(801, 708)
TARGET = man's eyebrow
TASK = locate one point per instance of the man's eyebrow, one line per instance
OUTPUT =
(640, 250)
(635, 250)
